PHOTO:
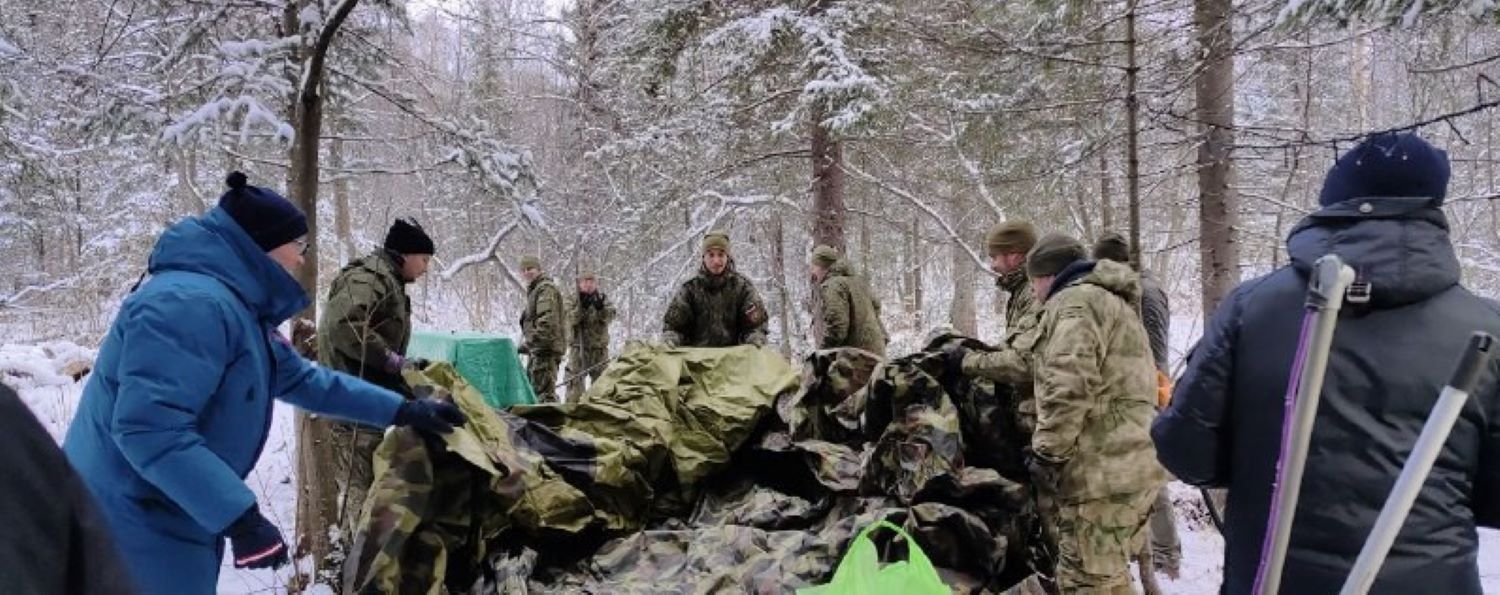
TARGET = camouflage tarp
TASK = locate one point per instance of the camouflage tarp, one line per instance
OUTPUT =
(670, 477)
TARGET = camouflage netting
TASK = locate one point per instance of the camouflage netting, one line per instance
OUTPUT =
(700, 470)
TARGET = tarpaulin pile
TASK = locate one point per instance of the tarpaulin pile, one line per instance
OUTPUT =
(700, 470)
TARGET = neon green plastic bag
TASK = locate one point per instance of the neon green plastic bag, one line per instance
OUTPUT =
(859, 573)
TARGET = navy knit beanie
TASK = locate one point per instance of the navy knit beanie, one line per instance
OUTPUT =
(266, 216)
(1388, 165)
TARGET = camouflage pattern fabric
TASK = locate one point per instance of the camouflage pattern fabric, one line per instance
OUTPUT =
(1010, 361)
(850, 314)
(544, 324)
(1095, 400)
(367, 317)
(715, 311)
(589, 350)
(696, 471)
(541, 370)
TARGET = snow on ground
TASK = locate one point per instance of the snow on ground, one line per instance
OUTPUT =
(54, 398)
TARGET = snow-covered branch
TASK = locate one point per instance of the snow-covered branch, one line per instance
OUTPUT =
(931, 213)
(489, 252)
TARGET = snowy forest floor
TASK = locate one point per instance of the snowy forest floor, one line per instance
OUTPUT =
(274, 484)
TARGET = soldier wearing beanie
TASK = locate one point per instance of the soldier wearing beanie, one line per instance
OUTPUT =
(1092, 462)
(543, 329)
(718, 307)
(849, 314)
(1156, 316)
(365, 328)
(180, 400)
(592, 313)
(1009, 362)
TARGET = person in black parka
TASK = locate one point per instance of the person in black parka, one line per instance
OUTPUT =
(54, 542)
(1381, 213)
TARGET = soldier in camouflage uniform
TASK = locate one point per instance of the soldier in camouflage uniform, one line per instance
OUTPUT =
(850, 314)
(1008, 244)
(366, 325)
(1156, 315)
(1092, 455)
(543, 329)
(590, 350)
(717, 308)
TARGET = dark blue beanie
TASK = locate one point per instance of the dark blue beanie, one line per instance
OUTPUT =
(1391, 165)
(270, 219)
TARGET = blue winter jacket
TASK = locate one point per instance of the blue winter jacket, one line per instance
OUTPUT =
(179, 404)
(1389, 359)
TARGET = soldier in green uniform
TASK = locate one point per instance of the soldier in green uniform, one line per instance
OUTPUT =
(849, 314)
(1092, 459)
(1008, 244)
(543, 329)
(717, 308)
(592, 314)
(365, 327)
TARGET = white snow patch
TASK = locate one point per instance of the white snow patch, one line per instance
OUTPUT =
(8, 49)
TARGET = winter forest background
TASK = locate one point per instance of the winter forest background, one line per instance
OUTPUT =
(607, 135)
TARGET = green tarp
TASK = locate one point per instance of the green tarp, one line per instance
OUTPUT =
(700, 471)
(488, 362)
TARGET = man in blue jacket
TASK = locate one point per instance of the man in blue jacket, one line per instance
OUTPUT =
(179, 404)
(1391, 355)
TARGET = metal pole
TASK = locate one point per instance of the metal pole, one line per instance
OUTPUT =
(1325, 296)
(1418, 465)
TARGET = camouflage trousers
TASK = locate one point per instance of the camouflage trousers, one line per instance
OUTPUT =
(354, 471)
(542, 371)
(584, 364)
(1094, 540)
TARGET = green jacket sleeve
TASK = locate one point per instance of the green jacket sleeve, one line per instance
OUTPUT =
(548, 322)
(1067, 379)
(350, 321)
(1012, 363)
(677, 322)
(835, 314)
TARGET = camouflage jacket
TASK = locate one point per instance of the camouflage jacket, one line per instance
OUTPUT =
(1010, 363)
(1096, 385)
(851, 314)
(367, 318)
(544, 323)
(591, 318)
(712, 311)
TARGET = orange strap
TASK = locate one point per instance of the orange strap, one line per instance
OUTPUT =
(1163, 390)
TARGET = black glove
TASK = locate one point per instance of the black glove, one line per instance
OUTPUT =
(1043, 473)
(430, 415)
(953, 359)
(419, 363)
(256, 542)
(524, 349)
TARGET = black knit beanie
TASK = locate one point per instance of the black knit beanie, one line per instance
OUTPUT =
(406, 236)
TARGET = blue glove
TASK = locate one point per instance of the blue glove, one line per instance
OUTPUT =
(256, 542)
(430, 415)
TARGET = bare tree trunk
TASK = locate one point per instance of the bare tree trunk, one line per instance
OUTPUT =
(1132, 137)
(778, 264)
(1218, 249)
(828, 211)
(914, 265)
(1107, 214)
(341, 228)
(962, 313)
(317, 509)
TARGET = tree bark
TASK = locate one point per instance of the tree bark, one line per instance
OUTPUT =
(961, 315)
(1133, 136)
(828, 211)
(1218, 248)
(317, 507)
(778, 263)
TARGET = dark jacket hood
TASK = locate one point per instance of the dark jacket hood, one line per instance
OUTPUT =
(1398, 245)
